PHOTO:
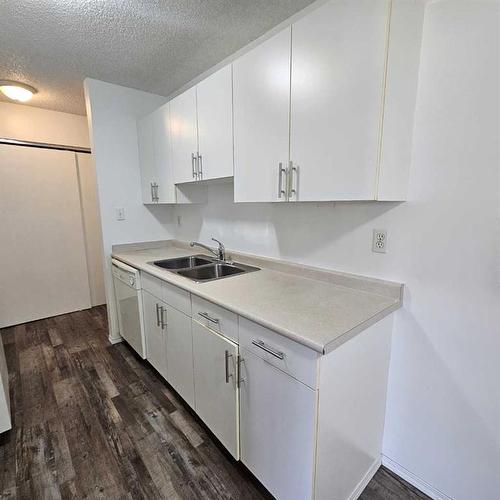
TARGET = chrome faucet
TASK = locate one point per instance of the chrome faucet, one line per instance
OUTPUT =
(220, 253)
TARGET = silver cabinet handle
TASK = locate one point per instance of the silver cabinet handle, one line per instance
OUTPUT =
(162, 319)
(200, 167)
(155, 191)
(207, 316)
(292, 190)
(281, 191)
(152, 194)
(260, 344)
(194, 167)
(157, 315)
(226, 365)
(239, 362)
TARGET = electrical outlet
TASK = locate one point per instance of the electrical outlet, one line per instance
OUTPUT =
(379, 242)
(120, 213)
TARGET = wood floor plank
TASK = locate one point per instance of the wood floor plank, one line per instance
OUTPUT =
(388, 486)
(92, 420)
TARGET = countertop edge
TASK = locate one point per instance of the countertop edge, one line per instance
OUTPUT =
(334, 344)
(320, 348)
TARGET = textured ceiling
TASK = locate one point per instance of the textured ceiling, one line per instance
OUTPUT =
(152, 45)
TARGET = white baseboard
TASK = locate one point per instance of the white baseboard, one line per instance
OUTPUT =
(115, 340)
(366, 479)
(414, 480)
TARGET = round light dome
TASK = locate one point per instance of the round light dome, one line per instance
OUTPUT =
(17, 91)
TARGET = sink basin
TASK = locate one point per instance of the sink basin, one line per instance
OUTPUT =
(183, 262)
(215, 271)
(202, 268)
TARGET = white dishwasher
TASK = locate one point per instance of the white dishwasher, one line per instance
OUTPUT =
(127, 283)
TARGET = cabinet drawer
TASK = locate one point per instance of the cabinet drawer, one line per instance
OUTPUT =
(295, 359)
(177, 298)
(216, 318)
(151, 285)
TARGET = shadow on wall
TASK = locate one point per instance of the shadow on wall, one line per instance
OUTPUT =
(302, 230)
(420, 371)
(295, 231)
(165, 216)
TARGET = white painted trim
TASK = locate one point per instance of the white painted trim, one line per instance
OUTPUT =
(414, 480)
(115, 340)
(366, 479)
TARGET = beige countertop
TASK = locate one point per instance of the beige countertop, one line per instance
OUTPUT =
(318, 308)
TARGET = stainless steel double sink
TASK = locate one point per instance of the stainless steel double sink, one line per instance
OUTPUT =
(201, 268)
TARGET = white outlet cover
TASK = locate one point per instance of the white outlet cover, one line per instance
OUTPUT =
(379, 241)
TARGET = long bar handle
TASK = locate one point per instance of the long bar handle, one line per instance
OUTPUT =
(292, 190)
(261, 345)
(239, 362)
(281, 191)
(226, 365)
(157, 314)
(194, 166)
(163, 323)
(200, 167)
(207, 316)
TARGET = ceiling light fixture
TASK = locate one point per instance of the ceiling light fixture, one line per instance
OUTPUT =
(17, 91)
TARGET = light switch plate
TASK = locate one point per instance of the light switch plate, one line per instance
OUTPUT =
(379, 241)
(120, 214)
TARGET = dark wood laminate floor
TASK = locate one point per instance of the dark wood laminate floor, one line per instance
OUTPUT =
(92, 420)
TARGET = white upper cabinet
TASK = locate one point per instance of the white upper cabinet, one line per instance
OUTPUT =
(215, 125)
(163, 157)
(155, 157)
(324, 110)
(321, 111)
(337, 85)
(261, 99)
(184, 134)
(146, 158)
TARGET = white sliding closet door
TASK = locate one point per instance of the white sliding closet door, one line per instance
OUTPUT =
(43, 268)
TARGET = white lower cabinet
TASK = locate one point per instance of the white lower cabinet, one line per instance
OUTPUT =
(277, 428)
(308, 426)
(154, 332)
(169, 344)
(180, 353)
(215, 383)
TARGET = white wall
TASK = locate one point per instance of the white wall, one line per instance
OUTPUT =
(26, 123)
(443, 414)
(112, 112)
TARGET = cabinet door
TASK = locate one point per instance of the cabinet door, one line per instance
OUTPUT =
(261, 95)
(162, 155)
(277, 428)
(155, 336)
(216, 397)
(338, 66)
(180, 354)
(146, 157)
(214, 100)
(184, 135)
